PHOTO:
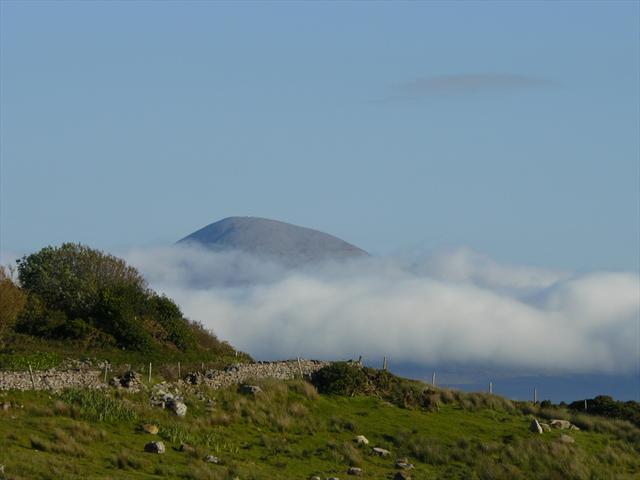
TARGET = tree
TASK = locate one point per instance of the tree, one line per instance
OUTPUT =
(72, 277)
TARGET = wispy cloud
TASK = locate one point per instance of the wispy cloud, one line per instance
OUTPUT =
(469, 83)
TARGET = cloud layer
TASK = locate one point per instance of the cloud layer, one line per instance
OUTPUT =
(453, 308)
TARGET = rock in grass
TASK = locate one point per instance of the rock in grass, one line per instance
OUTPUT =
(381, 451)
(361, 440)
(402, 476)
(177, 407)
(354, 471)
(561, 424)
(403, 464)
(185, 447)
(250, 389)
(212, 459)
(154, 447)
(535, 427)
(545, 427)
(150, 428)
(5, 406)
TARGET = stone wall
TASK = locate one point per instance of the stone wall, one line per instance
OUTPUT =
(55, 380)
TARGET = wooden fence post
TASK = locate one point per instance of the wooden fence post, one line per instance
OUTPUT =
(149, 372)
(300, 368)
(384, 363)
(33, 382)
(433, 378)
(490, 388)
(535, 396)
(178, 370)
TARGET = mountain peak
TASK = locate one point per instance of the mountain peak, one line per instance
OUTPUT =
(283, 242)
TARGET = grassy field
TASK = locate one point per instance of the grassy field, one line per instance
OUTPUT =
(289, 431)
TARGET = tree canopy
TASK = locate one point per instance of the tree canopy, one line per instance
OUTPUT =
(76, 292)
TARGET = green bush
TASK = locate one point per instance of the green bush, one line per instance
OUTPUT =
(341, 378)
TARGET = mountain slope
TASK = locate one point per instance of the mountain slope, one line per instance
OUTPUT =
(283, 242)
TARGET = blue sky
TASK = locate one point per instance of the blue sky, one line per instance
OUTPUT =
(510, 127)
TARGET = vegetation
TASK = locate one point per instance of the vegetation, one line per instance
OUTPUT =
(75, 301)
(604, 405)
(290, 431)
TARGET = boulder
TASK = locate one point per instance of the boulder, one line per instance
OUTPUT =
(561, 424)
(535, 427)
(250, 389)
(212, 459)
(154, 447)
(573, 427)
(545, 427)
(381, 452)
(403, 464)
(185, 447)
(361, 440)
(177, 407)
(402, 476)
(150, 428)
(130, 380)
(354, 471)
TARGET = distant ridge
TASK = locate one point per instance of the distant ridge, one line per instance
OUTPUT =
(285, 243)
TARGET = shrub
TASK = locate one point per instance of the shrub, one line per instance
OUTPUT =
(341, 378)
(12, 301)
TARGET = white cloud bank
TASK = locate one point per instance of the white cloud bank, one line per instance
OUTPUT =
(456, 307)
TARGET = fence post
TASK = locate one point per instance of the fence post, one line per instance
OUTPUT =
(106, 367)
(360, 360)
(149, 372)
(384, 363)
(178, 370)
(202, 367)
(300, 368)
(585, 404)
(490, 388)
(433, 378)
(33, 383)
(535, 396)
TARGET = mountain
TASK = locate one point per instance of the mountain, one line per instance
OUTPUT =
(285, 243)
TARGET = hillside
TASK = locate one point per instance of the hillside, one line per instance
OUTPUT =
(285, 429)
(288, 244)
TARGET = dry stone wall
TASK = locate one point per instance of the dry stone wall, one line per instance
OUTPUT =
(55, 380)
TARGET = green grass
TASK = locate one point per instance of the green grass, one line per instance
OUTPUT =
(289, 432)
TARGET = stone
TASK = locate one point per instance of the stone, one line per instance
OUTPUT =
(361, 440)
(154, 447)
(381, 451)
(566, 439)
(402, 476)
(535, 427)
(561, 424)
(130, 380)
(212, 459)
(4, 406)
(185, 447)
(177, 407)
(250, 389)
(403, 464)
(545, 427)
(573, 427)
(354, 471)
(150, 428)
(315, 477)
